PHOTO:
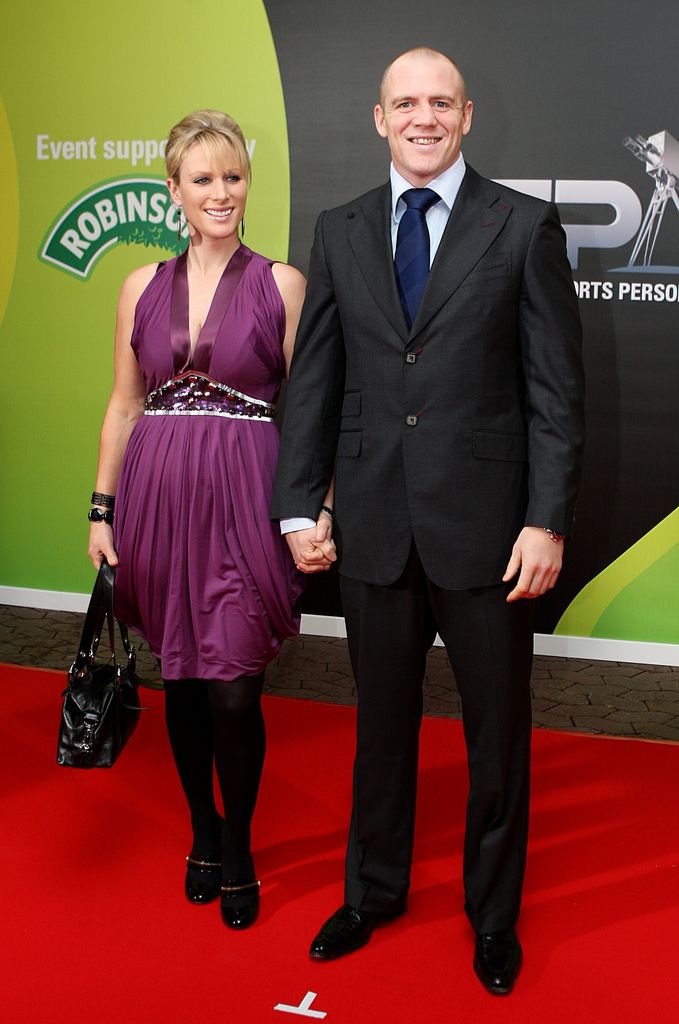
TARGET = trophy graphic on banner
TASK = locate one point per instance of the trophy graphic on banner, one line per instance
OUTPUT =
(660, 153)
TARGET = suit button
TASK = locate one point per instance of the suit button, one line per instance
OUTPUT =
(411, 358)
(411, 421)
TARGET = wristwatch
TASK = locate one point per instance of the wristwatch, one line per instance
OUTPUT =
(95, 515)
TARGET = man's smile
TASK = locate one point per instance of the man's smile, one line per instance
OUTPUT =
(425, 140)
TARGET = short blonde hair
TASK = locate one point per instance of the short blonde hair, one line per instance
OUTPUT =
(217, 132)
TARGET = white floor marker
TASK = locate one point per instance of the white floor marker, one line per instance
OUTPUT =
(303, 1010)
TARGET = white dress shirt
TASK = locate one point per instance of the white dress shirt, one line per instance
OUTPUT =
(447, 185)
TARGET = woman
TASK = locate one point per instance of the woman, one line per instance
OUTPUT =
(187, 457)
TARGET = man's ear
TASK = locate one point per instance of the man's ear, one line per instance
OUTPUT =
(467, 117)
(380, 121)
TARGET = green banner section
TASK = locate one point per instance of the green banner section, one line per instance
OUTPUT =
(9, 210)
(635, 597)
(83, 203)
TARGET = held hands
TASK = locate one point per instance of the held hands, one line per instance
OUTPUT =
(539, 558)
(101, 544)
(314, 549)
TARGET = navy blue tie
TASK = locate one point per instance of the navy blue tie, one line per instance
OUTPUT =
(411, 260)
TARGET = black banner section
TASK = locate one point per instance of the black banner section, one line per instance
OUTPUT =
(576, 103)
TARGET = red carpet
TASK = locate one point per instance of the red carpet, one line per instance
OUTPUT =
(95, 927)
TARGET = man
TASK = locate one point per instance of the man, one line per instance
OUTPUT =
(438, 373)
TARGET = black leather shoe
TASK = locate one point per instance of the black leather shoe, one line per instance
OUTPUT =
(240, 903)
(203, 881)
(497, 961)
(349, 929)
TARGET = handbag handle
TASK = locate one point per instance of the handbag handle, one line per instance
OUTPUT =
(99, 610)
(108, 575)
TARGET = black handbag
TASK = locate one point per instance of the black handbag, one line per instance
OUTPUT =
(101, 703)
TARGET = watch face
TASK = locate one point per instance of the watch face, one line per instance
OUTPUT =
(95, 515)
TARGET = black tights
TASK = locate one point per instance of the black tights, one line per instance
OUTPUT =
(213, 721)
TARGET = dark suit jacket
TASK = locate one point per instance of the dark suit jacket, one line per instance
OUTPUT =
(459, 431)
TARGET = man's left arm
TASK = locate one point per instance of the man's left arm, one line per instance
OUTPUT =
(551, 355)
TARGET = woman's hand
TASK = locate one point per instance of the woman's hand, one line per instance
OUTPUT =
(101, 545)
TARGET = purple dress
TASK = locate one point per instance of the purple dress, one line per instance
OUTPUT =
(204, 575)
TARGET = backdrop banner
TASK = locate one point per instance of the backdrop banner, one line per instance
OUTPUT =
(87, 102)
(571, 104)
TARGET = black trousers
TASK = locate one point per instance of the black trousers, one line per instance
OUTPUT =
(490, 647)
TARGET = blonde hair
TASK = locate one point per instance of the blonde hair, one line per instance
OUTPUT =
(218, 133)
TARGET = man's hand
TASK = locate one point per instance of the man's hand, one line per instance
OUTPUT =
(539, 558)
(314, 549)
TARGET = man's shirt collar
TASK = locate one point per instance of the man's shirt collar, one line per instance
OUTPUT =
(447, 185)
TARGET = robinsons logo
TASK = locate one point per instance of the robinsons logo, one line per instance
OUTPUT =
(134, 210)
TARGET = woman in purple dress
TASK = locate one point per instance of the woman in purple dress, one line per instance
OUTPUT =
(187, 458)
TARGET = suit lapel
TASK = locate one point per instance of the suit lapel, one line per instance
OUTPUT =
(369, 234)
(478, 216)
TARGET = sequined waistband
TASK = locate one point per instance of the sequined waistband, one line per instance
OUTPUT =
(196, 394)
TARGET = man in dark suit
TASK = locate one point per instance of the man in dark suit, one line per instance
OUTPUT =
(438, 374)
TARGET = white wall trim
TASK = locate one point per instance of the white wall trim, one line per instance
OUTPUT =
(597, 648)
(55, 600)
(324, 625)
(585, 647)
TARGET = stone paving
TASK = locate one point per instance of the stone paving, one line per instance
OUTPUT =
(613, 698)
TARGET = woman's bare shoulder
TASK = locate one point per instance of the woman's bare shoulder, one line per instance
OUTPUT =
(289, 281)
(135, 283)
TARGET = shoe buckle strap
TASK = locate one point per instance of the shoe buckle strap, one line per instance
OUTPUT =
(194, 862)
(242, 888)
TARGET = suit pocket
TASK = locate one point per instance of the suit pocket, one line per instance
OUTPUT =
(351, 406)
(491, 444)
(349, 444)
(488, 272)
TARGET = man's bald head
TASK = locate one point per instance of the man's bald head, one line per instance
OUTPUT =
(423, 53)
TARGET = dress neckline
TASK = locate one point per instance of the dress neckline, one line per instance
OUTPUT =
(180, 337)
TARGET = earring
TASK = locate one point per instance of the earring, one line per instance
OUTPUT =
(241, 229)
(179, 224)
